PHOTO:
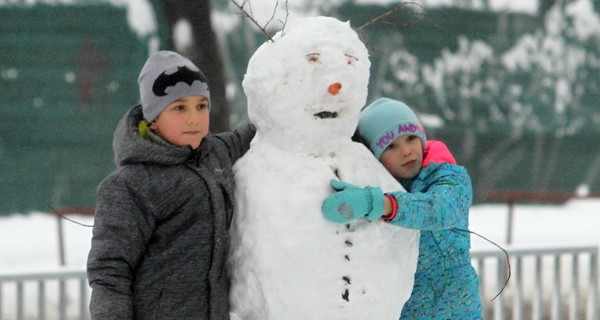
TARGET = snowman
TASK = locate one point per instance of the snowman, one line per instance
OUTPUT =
(305, 89)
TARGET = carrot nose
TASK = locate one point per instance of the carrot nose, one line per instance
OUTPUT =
(334, 88)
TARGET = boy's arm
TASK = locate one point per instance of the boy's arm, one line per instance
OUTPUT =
(117, 246)
(443, 205)
(238, 141)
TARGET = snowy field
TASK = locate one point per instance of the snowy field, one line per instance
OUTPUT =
(29, 242)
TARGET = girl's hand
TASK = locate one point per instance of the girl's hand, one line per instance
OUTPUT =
(352, 202)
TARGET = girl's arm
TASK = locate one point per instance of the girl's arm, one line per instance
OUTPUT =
(441, 198)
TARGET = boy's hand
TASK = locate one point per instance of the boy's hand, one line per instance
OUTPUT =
(351, 202)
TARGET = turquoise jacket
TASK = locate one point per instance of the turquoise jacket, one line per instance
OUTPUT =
(437, 203)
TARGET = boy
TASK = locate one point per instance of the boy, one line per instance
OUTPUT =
(437, 203)
(160, 242)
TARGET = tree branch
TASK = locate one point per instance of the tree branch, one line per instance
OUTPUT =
(250, 15)
(384, 15)
(381, 18)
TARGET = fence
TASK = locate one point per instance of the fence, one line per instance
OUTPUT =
(546, 283)
(58, 294)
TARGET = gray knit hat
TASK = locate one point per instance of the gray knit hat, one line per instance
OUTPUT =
(166, 77)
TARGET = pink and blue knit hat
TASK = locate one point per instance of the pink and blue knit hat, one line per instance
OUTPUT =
(386, 119)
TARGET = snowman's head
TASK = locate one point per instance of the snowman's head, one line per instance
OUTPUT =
(310, 81)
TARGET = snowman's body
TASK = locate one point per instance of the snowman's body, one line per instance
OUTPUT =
(287, 261)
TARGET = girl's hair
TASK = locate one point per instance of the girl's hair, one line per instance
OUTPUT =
(358, 138)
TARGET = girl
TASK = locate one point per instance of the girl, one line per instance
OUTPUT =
(437, 203)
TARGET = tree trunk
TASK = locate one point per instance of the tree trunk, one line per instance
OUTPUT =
(204, 53)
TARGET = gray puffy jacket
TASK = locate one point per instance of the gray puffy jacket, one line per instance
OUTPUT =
(160, 241)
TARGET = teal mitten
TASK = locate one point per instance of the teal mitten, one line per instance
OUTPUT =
(351, 202)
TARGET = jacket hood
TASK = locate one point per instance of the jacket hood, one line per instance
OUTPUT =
(130, 148)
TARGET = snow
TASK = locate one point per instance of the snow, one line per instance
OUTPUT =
(282, 181)
(587, 22)
(30, 241)
(575, 223)
(183, 35)
(272, 14)
(140, 14)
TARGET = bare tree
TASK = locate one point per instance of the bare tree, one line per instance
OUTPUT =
(205, 53)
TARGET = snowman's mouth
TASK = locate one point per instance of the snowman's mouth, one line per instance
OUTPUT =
(326, 115)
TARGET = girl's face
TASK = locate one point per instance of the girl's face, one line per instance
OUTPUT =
(184, 122)
(403, 157)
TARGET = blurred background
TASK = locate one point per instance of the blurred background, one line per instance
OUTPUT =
(513, 87)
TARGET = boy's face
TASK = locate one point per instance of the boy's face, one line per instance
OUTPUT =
(184, 122)
(403, 157)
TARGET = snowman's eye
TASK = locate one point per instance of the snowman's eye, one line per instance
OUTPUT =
(350, 59)
(312, 57)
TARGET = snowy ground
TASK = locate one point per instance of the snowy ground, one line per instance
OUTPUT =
(30, 241)
(575, 223)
